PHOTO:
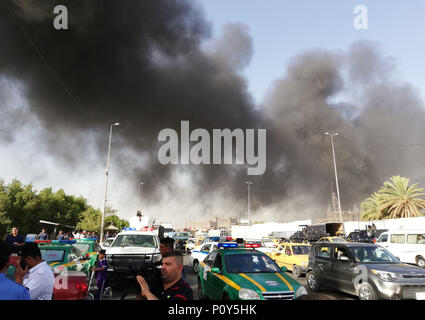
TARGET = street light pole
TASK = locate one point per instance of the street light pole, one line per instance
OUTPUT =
(138, 196)
(249, 182)
(336, 175)
(106, 183)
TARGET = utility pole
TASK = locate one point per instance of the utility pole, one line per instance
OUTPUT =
(106, 183)
(249, 182)
(336, 175)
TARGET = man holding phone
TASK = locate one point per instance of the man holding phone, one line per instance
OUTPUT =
(9, 290)
(34, 273)
(15, 240)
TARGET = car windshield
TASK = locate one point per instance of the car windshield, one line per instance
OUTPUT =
(338, 240)
(372, 254)
(135, 240)
(250, 263)
(182, 235)
(300, 250)
(52, 255)
(84, 247)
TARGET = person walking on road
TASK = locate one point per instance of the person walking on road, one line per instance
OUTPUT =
(102, 266)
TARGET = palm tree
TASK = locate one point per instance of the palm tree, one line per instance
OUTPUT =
(399, 200)
(369, 208)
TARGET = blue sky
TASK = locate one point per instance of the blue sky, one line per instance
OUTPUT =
(283, 28)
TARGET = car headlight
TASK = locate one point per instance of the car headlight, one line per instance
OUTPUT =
(303, 263)
(387, 276)
(301, 291)
(157, 257)
(247, 294)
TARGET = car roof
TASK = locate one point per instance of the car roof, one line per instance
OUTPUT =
(406, 231)
(295, 244)
(347, 244)
(135, 232)
(228, 251)
(54, 246)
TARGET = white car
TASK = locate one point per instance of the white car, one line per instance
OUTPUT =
(106, 243)
(132, 250)
(200, 252)
(190, 244)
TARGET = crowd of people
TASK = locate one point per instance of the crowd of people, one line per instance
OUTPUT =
(34, 278)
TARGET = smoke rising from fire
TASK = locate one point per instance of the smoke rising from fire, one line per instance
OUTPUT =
(141, 63)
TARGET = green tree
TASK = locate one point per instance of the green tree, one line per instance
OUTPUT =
(399, 200)
(369, 208)
(117, 222)
(90, 220)
(396, 199)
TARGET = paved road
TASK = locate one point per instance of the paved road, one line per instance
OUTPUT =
(131, 287)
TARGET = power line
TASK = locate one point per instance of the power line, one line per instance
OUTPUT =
(51, 70)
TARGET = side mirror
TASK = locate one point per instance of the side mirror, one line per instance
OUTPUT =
(215, 270)
(283, 269)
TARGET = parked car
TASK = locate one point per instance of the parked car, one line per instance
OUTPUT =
(73, 286)
(190, 244)
(198, 254)
(293, 256)
(407, 245)
(245, 274)
(366, 236)
(368, 271)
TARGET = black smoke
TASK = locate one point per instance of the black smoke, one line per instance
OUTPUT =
(141, 63)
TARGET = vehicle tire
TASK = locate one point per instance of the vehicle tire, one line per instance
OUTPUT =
(420, 261)
(313, 282)
(196, 266)
(296, 271)
(201, 294)
(367, 292)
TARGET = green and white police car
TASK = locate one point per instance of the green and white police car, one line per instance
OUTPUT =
(232, 272)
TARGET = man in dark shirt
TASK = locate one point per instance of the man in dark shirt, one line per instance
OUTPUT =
(175, 288)
(15, 240)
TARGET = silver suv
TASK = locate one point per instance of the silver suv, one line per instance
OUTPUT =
(365, 270)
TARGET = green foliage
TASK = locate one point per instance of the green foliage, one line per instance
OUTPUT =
(117, 222)
(24, 207)
(396, 199)
(90, 220)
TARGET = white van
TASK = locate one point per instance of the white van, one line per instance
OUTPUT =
(407, 245)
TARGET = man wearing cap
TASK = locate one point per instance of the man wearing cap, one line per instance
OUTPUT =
(9, 290)
(37, 276)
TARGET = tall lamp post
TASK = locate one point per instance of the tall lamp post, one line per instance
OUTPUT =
(106, 183)
(138, 196)
(249, 182)
(336, 175)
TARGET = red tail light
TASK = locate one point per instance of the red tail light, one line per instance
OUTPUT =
(82, 287)
(374, 240)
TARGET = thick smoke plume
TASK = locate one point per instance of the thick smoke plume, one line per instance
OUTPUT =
(141, 63)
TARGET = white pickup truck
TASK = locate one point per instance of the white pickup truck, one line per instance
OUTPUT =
(133, 250)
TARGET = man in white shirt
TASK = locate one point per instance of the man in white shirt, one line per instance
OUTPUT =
(37, 276)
